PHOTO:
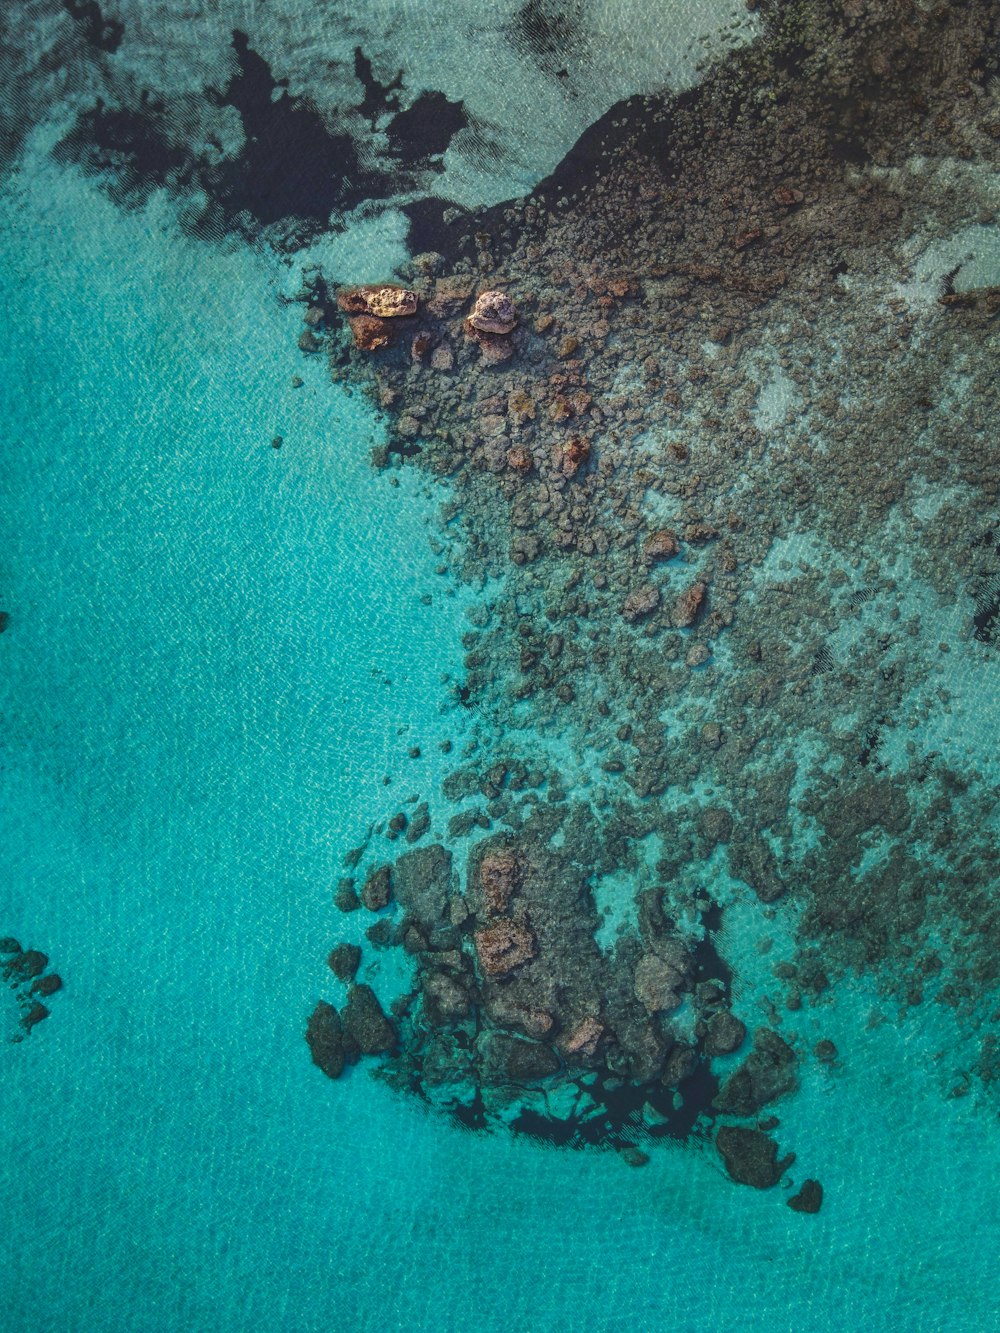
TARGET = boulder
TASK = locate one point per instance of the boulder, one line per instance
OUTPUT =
(421, 881)
(750, 1156)
(660, 545)
(766, 1074)
(809, 1199)
(507, 1057)
(503, 946)
(583, 1039)
(344, 961)
(657, 984)
(724, 1033)
(369, 333)
(494, 312)
(325, 1036)
(47, 985)
(365, 1022)
(377, 889)
(383, 300)
(687, 606)
(640, 602)
(571, 455)
(499, 878)
(445, 999)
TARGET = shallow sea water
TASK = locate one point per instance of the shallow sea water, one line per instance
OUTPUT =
(217, 652)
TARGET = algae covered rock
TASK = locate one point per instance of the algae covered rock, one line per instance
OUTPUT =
(750, 1156)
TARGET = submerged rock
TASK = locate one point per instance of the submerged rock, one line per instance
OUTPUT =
(499, 876)
(369, 333)
(503, 946)
(687, 606)
(376, 891)
(809, 1198)
(325, 1036)
(768, 1072)
(344, 961)
(366, 1023)
(751, 1156)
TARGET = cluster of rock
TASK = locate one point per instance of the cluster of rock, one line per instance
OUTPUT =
(25, 972)
(610, 458)
(512, 1000)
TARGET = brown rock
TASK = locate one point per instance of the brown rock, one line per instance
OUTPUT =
(572, 454)
(687, 606)
(640, 603)
(370, 333)
(385, 301)
(583, 1039)
(420, 346)
(499, 878)
(787, 196)
(520, 460)
(503, 946)
(494, 312)
(660, 545)
(377, 889)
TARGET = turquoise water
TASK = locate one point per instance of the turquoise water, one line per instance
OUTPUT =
(198, 719)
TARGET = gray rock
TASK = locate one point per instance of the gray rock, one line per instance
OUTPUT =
(421, 880)
(768, 1072)
(724, 1033)
(344, 961)
(325, 1036)
(366, 1023)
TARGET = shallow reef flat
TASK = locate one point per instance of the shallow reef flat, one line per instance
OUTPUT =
(726, 467)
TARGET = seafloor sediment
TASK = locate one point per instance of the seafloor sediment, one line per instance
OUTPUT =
(731, 464)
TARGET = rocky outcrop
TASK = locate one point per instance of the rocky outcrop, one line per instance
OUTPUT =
(724, 1033)
(640, 603)
(344, 961)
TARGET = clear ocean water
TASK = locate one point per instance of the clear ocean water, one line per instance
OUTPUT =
(217, 653)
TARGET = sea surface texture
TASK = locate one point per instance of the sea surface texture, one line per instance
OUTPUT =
(500, 666)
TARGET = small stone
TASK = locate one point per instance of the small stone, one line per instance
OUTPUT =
(519, 460)
(277, 442)
(825, 1051)
(442, 358)
(308, 342)
(633, 1156)
(567, 346)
